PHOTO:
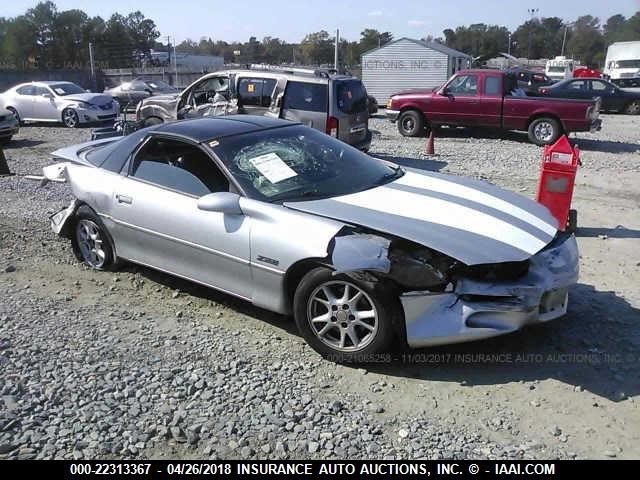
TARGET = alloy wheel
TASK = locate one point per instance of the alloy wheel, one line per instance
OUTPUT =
(342, 316)
(89, 237)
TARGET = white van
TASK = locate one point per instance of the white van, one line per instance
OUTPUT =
(560, 68)
(622, 65)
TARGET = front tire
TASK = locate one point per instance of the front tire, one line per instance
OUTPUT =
(91, 241)
(544, 131)
(344, 319)
(152, 121)
(633, 108)
(411, 123)
(70, 118)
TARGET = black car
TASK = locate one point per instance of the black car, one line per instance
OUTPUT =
(614, 99)
(528, 80)
(131, 93)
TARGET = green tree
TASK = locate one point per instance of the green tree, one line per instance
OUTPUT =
(317, 48)
(587, 43)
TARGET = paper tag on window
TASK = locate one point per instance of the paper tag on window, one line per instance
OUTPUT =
(272, 167)
(59, 91)
(251, 88)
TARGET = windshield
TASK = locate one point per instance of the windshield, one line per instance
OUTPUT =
(627, 64)
(556, 69)
(64, 89)
(298, 163)
(352, 97)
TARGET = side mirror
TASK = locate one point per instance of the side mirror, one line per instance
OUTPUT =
(444, 92)
(223, 202)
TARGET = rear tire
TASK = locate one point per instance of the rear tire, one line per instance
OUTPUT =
(351, 323)
(572, 221)
(411, 124)
(15, 114)
(633, 108)
(544, 131)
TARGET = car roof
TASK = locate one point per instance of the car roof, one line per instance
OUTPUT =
(204, 129)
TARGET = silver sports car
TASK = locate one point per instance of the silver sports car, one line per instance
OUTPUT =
(54, 101)
(362, 252)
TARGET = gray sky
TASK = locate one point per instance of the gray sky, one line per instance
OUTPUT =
(291, 20)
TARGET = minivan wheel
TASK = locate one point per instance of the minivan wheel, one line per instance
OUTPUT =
(344, 319)
(544, 131)
(411, 123)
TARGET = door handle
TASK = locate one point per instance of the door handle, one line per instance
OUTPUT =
(124, 199)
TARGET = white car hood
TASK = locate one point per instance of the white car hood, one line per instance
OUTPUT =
(92, 98)
(469, 220)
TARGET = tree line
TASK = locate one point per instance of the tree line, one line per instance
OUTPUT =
(45, 37)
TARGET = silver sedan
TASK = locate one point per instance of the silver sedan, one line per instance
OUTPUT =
(363, 253)
(54, 101)
(8, 125)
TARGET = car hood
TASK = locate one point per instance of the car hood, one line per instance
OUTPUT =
(469, 220)
(92, 98)
(428, 92)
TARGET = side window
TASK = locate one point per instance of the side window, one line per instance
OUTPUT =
(492, 86)
(599, 86)
(312, 97)
(578, 85)
(26, 90)
(40, 91)
(210, 90)
(178, 166)
(464, 85)
(255, 91)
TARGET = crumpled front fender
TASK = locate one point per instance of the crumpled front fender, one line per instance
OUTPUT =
(60, 220)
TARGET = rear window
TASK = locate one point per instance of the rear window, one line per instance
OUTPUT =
(312, 97)
(556, 69)
(352, 97)
(492, 86)
(113, 155)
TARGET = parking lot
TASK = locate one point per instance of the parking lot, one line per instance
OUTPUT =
(137, 363)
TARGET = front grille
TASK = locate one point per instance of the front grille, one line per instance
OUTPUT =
(505, 271)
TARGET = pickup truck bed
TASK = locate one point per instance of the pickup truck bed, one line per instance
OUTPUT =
(489, 98)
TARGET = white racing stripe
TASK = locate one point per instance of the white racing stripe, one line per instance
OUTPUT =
(451, 188)
(428, 209)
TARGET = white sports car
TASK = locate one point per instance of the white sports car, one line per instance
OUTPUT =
(363, 253)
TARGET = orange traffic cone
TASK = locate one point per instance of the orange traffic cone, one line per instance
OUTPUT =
(4, 168)
(430, 150)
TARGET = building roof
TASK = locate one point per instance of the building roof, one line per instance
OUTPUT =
(432, 45)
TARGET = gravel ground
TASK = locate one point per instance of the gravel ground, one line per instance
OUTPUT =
(136, 364)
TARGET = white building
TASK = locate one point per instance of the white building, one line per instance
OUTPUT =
(407, 64)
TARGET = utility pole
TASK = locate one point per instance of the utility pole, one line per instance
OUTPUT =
(175, 61)
(509, 46)
(336, 59)
(532, 12)
(93, 71)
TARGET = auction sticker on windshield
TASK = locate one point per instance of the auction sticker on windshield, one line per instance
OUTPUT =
(272, 167)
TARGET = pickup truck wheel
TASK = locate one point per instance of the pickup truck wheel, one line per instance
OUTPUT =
(544, 131)
(633, 108)
(411, 124)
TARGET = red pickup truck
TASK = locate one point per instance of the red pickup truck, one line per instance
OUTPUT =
(491, 98)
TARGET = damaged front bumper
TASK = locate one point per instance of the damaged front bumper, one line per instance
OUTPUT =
(478, 309)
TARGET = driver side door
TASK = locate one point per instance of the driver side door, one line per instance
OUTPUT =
(158, 223)
(44, 104)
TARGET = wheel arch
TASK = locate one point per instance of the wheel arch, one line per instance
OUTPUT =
(296, 272)
(67, 229)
